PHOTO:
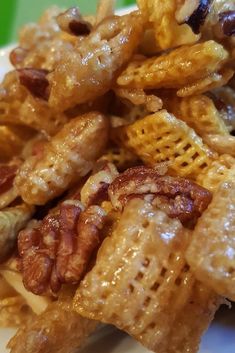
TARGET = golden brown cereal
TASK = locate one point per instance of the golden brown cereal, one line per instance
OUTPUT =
(161, 15)
(57, 330)
(139, 97)
(105, 8)
(8, 197)
(65, 159)
(220, 170)
(14, 311)
(18, 106)
(95, 189)
(11, 275)
(121, 157)
(214, 80)
(221, 143)
(200, 113)
(80, 76)
(41, 44)
(141, 283)
(213, 244)
(161, 137)
(180, 67)
(12, 220)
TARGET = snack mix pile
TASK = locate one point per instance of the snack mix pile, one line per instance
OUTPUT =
(117, 165)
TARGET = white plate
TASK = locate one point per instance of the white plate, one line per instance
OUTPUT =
(218, 339)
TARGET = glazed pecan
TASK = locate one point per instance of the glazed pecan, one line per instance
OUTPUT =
(71, 21)
(178, 197)
(58, 250)
(78, 243)
(35, 81)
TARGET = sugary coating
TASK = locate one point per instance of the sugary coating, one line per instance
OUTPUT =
(19, 107)
(41, 44)
(200, 113)
(211, 252)
(57, 330)
(220, 170)
(12, 140)
(161, 16)
(120, 157)
(161, 137)
(13, 307)
(66, 158)
(221, 143)
(141, 283)
(12, 220)
(182, 66)
(90, 68)
(212, 81)
(140, 97)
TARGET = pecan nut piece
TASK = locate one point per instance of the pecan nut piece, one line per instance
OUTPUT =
(35, 81)
(74, 252)
(178, 197)
(59, 249)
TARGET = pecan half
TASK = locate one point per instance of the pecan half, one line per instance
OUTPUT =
(71, 21)
(35, 81)
(178, 197)
(74, 252)
(59, 249)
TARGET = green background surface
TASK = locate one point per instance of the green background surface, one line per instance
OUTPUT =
(14, 13)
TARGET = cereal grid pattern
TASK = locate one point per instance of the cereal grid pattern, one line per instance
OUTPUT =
(200, 113)
(161, 137)
(168, 33)
(140, 282)
(213, 244)
(180, 67)
(220, 170)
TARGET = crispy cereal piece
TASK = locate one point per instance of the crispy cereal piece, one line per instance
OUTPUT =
(211, 252)
(200, 113)
(161, 15)
(121, 157)
(11, 275)
(161, 137)
(79, 76)
(64, 160)
(141, 283)
(57, 330)
(212, 81)
(221, 143)
(19, 107)
(220, 170)
(140, 97)
(14, 311)
(182, 66)
(12, 220)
